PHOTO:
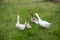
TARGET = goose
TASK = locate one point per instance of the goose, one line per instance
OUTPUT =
(18, 25)
(33, 19)
(27, 25)
(42, 23)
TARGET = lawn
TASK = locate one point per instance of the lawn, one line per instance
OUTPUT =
(49, 11)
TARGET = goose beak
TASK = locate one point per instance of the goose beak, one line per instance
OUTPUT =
(17, 15)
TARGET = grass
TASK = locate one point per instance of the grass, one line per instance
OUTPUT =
(48, 11)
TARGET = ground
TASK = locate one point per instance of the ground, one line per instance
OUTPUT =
(49, 11)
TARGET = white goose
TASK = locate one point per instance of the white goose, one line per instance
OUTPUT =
(33, 19)
(43, 23)
(18, 25)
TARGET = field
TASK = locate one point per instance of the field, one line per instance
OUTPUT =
(49, 11)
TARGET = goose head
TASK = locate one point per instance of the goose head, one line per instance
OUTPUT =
(18, 19)
(38, 16)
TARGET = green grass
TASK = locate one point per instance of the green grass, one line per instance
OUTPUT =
(49, 11)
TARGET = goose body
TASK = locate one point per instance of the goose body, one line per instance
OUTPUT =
(42, 23)
(18, 25)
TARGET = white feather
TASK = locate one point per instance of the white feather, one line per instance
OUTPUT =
(43, 23)
(18, 25)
